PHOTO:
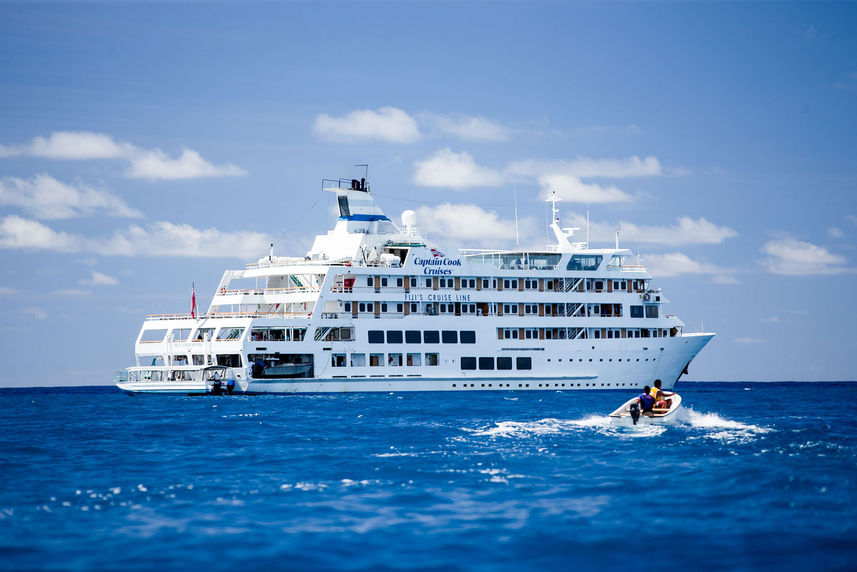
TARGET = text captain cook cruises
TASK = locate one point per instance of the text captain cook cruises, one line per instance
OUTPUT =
(375, 307)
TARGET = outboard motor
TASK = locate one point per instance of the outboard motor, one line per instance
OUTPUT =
(635, 412)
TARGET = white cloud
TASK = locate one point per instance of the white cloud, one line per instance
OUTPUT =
(470, 223)
(446, 168)
(36, 312)
(149, 164)
(157, 239)
(154, 164)
(77, 145)
(587, 167)
(686, 230)
(463, 222)
(18, 233)
(676, 264)
(770, 320)
(567, 177)
(6, 291)
(796, 257)
(100, 279)
(852, 219)
(387, 124)
(468, 128)
(46, 198)
(572, 189)
(749, 341)
(834, 232)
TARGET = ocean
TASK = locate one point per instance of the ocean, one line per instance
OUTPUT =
(753, 476)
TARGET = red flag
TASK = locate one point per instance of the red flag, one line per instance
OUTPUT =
(193, 301)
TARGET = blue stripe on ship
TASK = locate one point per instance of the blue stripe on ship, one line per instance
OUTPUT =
(364, 217)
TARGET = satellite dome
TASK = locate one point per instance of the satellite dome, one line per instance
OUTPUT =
(409, 218)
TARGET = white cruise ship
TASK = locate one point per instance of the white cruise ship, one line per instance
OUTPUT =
(375, 307)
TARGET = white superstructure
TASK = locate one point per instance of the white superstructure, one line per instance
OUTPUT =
(374, 307)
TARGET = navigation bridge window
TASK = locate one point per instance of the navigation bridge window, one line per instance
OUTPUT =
(150, 336)
(226, 334)
(586, 262)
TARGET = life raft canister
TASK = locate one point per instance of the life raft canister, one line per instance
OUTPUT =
(646, 297)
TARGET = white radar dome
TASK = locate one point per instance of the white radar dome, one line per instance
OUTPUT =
(409, 218)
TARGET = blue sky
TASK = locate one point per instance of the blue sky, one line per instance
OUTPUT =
(146, 147)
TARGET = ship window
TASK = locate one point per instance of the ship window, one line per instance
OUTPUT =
(376, 337)
(431, 337)
(399, 307)
(468, 337)
(413, 360)
(398, 281)
(229, 360)
(376, 360)
(383, 281)
(524, 363)
(486, 363)
(337, 360)
(651, 311)
(369, 281)
(229, 334)
(428, 282)
(514, 283)
(431, 359)
(505, 284)
(599, 285)
(507, 334)
(358, 360)
(347, 306)
(504, 363)
(179, 360)
(587, 262)
(198, 359)
(449, 336)
(153, 335)
(394, 360)
(412, 336)
(636, 311)
(485, 284)
(413, 282)
(362, 306)
(384, 307)
(181, 334)
(394, 336)
(468, 363)
(202, 334)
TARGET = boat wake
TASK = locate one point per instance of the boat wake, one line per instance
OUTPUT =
(551, 426)
(716, 427)
(699, 425)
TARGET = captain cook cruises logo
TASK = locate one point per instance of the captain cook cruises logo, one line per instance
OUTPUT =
(436, 253)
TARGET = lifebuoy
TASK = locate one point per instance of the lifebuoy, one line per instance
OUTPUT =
(646, 297)
(223, 290)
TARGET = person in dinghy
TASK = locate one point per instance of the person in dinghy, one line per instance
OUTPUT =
(662, 398)
(645, 403)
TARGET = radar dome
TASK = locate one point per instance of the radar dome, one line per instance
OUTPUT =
(409, 218)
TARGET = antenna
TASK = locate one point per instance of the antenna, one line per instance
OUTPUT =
(516, 215)
(366, 171)
(617, 239)
(587, 226)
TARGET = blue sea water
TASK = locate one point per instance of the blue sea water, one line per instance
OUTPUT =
(753, 476)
